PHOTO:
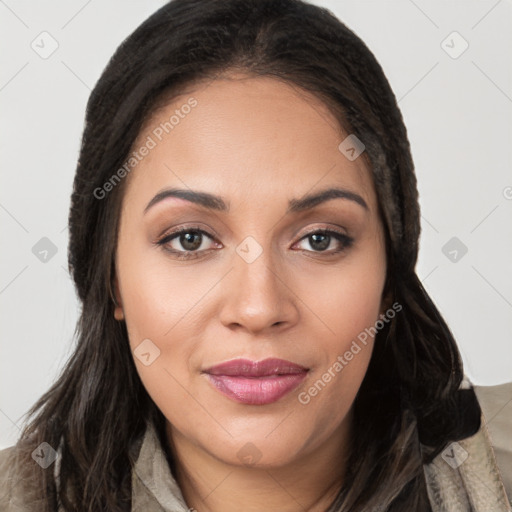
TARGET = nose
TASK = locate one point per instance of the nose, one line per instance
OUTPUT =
(258, 296)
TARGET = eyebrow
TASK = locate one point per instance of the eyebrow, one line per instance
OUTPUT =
(217, 203)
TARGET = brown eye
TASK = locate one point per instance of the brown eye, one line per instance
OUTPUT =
(190, 241)
(185, 242)
(320, 240)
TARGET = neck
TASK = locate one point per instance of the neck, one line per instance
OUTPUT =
(306, 484)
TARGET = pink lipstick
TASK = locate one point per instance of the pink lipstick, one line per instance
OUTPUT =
(256, 382)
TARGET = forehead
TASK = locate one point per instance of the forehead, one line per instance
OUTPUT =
(253, 139)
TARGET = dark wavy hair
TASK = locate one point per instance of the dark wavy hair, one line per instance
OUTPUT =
(410, 404)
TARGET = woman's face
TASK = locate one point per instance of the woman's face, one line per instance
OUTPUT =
(260, 281)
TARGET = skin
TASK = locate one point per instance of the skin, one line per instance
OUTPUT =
(257, 142)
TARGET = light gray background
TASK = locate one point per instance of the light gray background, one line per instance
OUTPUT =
(457, 110)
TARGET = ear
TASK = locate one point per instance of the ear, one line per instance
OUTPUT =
(118, 311)
(387, 300)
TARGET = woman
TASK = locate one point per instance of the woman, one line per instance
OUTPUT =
(243, 237)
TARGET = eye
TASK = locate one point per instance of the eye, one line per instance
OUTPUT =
(191, 241)
(321, 239)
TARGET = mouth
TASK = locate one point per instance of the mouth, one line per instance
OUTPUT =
(256, 382)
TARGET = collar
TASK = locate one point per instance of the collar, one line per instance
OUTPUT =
(154, 488)
(464, 477)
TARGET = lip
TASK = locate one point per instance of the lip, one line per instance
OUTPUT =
(256, 382)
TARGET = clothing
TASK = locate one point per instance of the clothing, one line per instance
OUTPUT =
(496, 404)
(474, 486)
(464, 478)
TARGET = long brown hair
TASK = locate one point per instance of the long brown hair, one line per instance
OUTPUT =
(409, 405)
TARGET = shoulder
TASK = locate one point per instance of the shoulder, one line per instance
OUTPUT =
(18, 490)
(7, 457)
(475, 473)
(496, 404)
(464, 476)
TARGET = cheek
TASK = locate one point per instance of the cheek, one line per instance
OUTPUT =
(333, 384)
(156, 295)
(347, 306)
(343, 301)
(162, 315)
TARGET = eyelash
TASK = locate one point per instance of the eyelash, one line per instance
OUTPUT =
(345, 240)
